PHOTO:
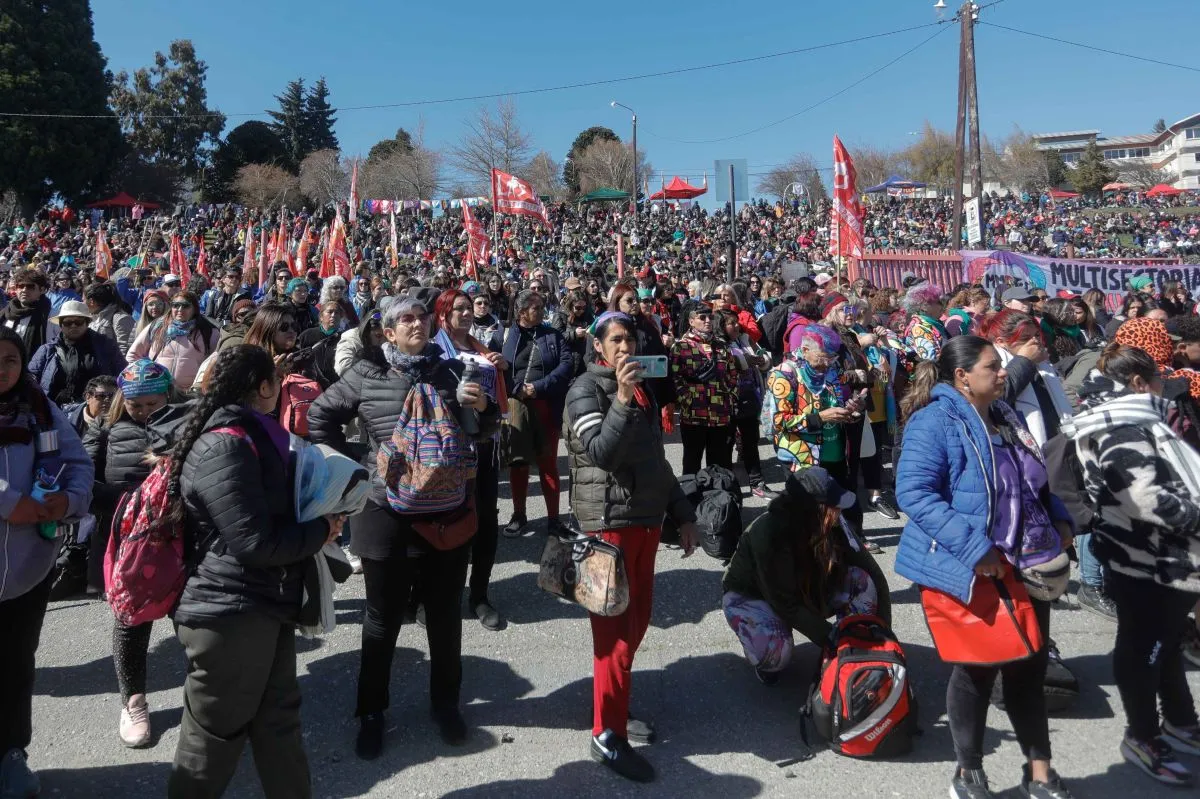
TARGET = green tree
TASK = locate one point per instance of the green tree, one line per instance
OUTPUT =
(50, 63)
(931, 157)
(164, 110)
(319, 119)
(1092, 171)
(1160, 125)
(1056, 168)
(251, 142)
(402, 142)
(289, 123)
(583, 141)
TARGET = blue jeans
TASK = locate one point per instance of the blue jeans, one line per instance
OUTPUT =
(1091, 573)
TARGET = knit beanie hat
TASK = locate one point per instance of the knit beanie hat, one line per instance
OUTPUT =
(144, 377)
(472, 289)
(832, 300)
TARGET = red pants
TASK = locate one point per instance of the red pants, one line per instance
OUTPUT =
(547, 464)
(615, 639)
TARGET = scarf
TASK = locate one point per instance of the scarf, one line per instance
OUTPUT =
(24, 401)
(180, 329)
(450, 350)
(77, 365)
(34, 318)
(816, 381)
(411, 365)
(1141, 410)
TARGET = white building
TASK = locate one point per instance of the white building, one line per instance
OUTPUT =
(1176, 150)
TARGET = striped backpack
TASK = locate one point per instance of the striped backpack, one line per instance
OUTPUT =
(428, 461)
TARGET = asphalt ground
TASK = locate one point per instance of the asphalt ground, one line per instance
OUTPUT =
(527, 700)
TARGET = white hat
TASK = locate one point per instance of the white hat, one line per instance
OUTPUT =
(822, 278)
(171, 279)
(71, 308)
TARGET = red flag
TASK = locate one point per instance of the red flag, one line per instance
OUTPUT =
(104, 256)
(395, 245)
(479, 246)
(354, 192)
(250, 258)
(283, 250)
(263, 263)
(179, 261)
(845, 229)
(202, 258)
(511, 195)
(337, 243)
(301, 261)
(620, 256)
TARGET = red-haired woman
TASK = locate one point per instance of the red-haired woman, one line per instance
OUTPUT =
(1033, 387)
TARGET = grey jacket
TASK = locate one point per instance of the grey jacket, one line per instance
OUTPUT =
(25, 557)
(619, 472)
(116, 325)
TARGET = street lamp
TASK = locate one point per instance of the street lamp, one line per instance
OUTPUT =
(632, 199)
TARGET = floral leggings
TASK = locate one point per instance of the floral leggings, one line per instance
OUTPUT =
(767, 639)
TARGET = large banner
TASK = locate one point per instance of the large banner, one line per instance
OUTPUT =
(999, 269)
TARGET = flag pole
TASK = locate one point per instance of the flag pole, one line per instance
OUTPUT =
(495, 219)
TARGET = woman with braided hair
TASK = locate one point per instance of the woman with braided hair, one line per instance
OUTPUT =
(241, 602)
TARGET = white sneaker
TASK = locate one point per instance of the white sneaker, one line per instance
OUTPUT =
(355, 560)
(135, 722)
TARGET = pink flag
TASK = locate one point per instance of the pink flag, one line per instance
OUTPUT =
(845, 229)
(354, 192)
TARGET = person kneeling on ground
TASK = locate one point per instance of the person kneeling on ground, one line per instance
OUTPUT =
(796, 566)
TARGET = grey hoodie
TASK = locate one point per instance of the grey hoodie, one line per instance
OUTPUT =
(25, 557)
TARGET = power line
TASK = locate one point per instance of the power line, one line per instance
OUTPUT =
(817, 104)
(1092, 47)
(516, 92)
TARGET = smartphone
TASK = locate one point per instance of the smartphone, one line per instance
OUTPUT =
(652, 365)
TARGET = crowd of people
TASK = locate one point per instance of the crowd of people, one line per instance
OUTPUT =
(1021, 430)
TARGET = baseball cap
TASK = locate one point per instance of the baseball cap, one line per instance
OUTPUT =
(1017, 294)
(822, 278)
(820, 485)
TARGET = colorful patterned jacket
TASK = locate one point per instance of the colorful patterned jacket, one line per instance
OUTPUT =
(796, 426)
(705, 382)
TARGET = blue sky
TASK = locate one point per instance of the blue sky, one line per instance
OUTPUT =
(374, 52)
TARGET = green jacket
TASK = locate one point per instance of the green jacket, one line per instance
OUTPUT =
(762, 568)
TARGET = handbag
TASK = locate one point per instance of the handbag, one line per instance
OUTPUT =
(586, 570)
(997, 626)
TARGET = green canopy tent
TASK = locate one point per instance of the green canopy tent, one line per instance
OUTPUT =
(603, 195)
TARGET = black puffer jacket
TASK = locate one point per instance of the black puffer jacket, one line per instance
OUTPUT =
(619, 473)
(249, 550)
(120, 452)
(375, 394)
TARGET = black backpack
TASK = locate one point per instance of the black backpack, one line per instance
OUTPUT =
(1066, 480)
(717, 498)
(774, 324)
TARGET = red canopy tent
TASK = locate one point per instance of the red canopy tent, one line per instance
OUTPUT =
(124, 200)
(1163, 190)
(1118, 186)
(1059, 194)
(679, 189)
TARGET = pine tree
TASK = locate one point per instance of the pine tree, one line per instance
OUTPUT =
(50, 62)
(1092, 171)
(319, 119)
(290, 124)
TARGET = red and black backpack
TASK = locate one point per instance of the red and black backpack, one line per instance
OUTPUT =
(862, 702)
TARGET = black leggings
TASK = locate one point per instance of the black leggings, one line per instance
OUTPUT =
(483, 546)
(439, 577)
(747, 430)
(872, 467)
(700, 440)
(1147, 660)
(131, 646)
(970, 689)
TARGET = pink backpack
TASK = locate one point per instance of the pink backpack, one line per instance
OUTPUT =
(145, 566)
(296, 395)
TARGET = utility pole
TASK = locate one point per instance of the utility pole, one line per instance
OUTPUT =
(731, 270)
(966, 128)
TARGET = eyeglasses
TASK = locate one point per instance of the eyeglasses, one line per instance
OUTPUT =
(102, 396)
(410, 320)
(180, 306)
(285, 327)
(646, 300)
(460, 309)
(703, 317)
(73, 323)
(27, 286)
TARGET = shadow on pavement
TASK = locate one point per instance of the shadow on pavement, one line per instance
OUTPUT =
(106, 782)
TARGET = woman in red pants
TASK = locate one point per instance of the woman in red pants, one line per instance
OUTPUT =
(615, 444)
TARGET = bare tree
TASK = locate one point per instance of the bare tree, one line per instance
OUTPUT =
(492, 139)
(545, 174)
(263, 185)
(931, 157)
(802, 169)
(609, 164)
(1017, 163)
(1143, 175)
(413, 173)
(874, 165)
(323, 178)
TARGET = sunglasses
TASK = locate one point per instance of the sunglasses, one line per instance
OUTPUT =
(27, 286)
(103, 396)
(646, 300)
(73, 323)
(286, 327)
(180, 306)
(703, 317)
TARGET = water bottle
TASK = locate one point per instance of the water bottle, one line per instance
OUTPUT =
(43, 486)
(470, 416)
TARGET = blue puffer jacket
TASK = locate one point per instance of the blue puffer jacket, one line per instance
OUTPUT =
(946, 484)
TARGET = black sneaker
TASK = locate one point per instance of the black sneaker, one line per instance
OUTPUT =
(884, 507)
(515, 527)
(1052, 788)
(639, 731)
(1096, 601)
(556, 527)
(451, 725)
(369, 743)
(488, 616)
(615, 752)
(766, 677)
(971, 784)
